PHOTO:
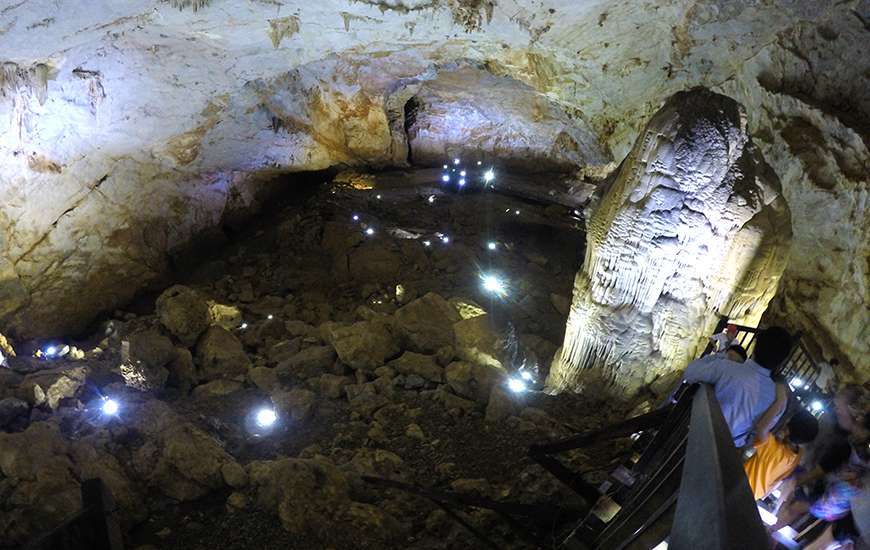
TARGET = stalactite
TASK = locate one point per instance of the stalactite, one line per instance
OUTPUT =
(193, 4)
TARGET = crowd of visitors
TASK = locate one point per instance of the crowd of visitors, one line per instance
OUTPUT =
(818, 467)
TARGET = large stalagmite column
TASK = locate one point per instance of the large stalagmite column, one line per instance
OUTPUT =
(693, 225)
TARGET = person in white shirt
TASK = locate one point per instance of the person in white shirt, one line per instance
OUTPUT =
(744, 390)
(827, 378)
(723, 340)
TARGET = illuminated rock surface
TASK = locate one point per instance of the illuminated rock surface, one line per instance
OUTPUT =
(692, 226)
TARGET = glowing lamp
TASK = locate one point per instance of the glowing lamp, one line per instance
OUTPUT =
(462, 173)
(50, 351)
(526, 375)
(270, 317)
(427, 243)
(356, 217)
(243, 326)
(516, 385)
(445, 178)
(816, 406)
(431, 199)
(378, 197)
(479, 163)
(266, 417)
(491, 245)
(461, 181)
(455, 161)
(488, 176)
(445, 239)
(110, 407)
(516, 212)
(493, 284)
(370, 231)
(797, 382)
(445, 167)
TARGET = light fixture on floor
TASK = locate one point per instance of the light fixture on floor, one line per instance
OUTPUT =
(427, 243)
(370, 231)
(488, 176)
(266, 417)
(356, 217)
(461, 182)
(455, 161)
(431, 199)
(816, 406)
(493, 284)
(445, 178)
(491, 245)
(110, 407)
(445, 239)
(462, 173)
(516, 385)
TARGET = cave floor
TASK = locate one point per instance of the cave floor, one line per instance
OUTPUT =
(314, 262)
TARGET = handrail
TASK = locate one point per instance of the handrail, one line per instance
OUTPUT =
(715, 508)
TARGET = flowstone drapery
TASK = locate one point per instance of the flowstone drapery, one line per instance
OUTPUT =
(692, 225)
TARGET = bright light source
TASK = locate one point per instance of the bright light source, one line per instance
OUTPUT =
(243, 326)
(431, 199)
(493, 284)
(461, 181)
(526, 375)
(797, 382)
(663, 545)
(455, 161)
(776, 493)
(445, 178)
(491, 245)
(488, 176)
(766, 516)
(516, 385)
(445, 239)
(427, 243)
(356, 217)
(110, 407)
(445, 167)
(816, 405)
(378, 197)
(370, 231)
(266, 417)
(516, 212)
(50, 351)
(479, 163)
(462, 173)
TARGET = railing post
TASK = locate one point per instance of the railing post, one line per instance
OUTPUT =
(715, 509)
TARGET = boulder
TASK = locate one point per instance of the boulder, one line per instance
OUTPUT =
(373, 261)
(471, 380)
(151, 348)
(225, 316)
(296, 404)
(308, 495)
(301, 328)
(308, 363)
(216, 388)
(477, 341)
(182, 371)
(378, 463)
(466, 308)
(501, 404)
(219, 354)
(425, 325)
(13, 413)
(234, 475)
(264, 378)
(364, 345)
(50, 386)
(183, 312)
(424, 366)
(332, 385)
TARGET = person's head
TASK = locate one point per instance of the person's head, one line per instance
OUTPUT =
(850, 404)
(731, 330)
(772, 346)
(802, 428)
(736, 353)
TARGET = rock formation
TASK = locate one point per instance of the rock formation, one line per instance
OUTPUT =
(693, 225)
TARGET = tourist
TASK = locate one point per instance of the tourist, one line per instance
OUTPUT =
(746, 390)
(777, 457)
(827, 379)
(722, 340)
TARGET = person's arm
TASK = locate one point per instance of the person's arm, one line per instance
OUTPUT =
(768, 418)
(705, 369)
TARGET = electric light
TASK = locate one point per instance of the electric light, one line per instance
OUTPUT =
(50, 351)
(479, 163)
(516, 385)
(370, 231)
(266, 417)
(816, 406)
(356, 217)
(445, 239)
(427, 243)
(378, 197)
(493, 284)
(797, 382)
(110, 407)
(455, 161)
(445, 178)
(270, 317)
(462, 181)
(491, 245)
(488, 176)
(526, 375)
(431, 199)
(516, 212)
(243, 326)
(462, 173)
(445, 167)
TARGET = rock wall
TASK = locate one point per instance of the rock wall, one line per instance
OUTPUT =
(692, 225)
(125, 104)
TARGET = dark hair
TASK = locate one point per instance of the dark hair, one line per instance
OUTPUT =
(738, 349)
(802, 428)
(772, 346)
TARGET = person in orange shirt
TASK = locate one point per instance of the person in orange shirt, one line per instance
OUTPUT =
(778, 455)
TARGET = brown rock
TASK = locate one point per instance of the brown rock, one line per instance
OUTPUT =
(183, 312)
(423, 366)
(219, 354)
(425, 325)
